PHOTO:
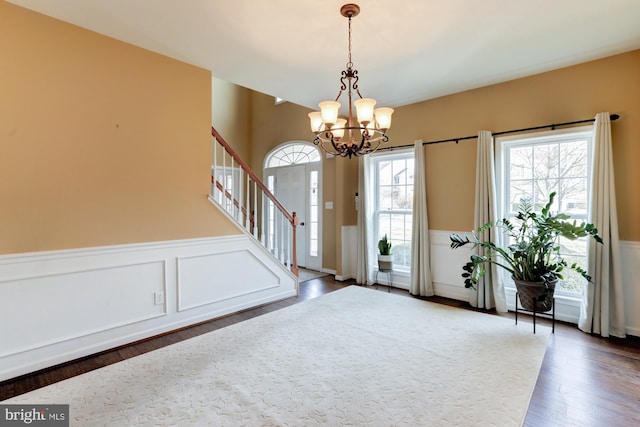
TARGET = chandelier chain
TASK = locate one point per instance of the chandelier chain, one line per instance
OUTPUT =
(349, 63)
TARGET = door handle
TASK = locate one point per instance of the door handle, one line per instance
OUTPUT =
(302, 224)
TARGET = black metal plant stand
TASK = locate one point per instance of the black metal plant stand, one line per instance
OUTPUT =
(389, 273)
(544, 314)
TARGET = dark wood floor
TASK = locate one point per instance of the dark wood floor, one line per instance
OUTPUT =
(584, 381)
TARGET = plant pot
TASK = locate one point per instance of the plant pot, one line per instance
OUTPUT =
(531, 293)
(385, 262)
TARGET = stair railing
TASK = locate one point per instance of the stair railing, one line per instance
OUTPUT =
(251, 203)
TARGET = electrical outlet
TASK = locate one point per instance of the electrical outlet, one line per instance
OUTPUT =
(158, 298)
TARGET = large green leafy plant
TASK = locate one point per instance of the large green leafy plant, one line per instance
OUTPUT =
(534, 252)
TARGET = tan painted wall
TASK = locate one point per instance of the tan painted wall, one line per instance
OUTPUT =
(253, 125)
(346, 189)
(105, 143)
(573, 93)
(100, 142)
(273, 125)
(231, 115)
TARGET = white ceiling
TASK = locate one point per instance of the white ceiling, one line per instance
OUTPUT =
(405, 50)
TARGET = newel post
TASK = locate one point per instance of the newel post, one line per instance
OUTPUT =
(294, 226)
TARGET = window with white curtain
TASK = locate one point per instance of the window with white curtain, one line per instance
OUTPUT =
(393, 204)
(533, 166)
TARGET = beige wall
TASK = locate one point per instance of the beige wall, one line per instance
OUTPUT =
(273, 125)
(231, 115)
(573, 93)
(568, 94)
(254, 125)
(105, 143)
(100, 142)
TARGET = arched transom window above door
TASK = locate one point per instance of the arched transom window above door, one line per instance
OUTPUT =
(292, 154)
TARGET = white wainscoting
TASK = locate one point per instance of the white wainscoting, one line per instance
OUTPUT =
(348, 242)
(446, 270)
(446, 266)
(57, 306)
(630, 253)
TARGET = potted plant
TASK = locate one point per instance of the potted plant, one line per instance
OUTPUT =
(385, 260)
(532, 256)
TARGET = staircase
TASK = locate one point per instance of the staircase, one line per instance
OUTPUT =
(238, 191)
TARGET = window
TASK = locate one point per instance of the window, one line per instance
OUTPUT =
(532, 167)
(314, 208)
(293, 154)
(393, 204)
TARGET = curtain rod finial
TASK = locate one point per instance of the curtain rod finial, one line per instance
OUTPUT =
(615, 116)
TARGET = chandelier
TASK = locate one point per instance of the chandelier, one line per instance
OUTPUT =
(347, 137)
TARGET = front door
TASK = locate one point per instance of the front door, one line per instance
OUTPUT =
(290, 191)
(297, 187)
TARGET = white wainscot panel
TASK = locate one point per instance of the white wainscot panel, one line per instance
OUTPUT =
(212, 278)
(58, 307)
(630, 254)
(446, 266)
(349, 252)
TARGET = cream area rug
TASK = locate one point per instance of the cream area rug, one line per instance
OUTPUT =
(354, 357)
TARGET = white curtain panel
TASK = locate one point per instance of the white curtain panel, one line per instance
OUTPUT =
(489, 292)
(363, 245)
(421, 283)
(602, 310)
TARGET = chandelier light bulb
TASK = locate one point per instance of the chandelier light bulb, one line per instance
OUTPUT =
(369, 129)
(315, 119)
(338, 130)
(329, 111)
(383, 117)
(364, 110)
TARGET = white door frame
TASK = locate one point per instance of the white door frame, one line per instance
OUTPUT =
(312, 262)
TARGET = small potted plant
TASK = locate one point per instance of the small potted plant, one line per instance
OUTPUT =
(385, 260)
(532, 256)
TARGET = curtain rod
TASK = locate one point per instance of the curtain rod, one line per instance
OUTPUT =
(456, 140)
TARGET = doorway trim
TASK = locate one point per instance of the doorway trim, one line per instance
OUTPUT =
(298, 153)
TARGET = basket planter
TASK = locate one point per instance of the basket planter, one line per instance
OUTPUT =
(528, 291)
(385, 262)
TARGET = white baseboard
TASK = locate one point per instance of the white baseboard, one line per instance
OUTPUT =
(61, 305)
(453, 291)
